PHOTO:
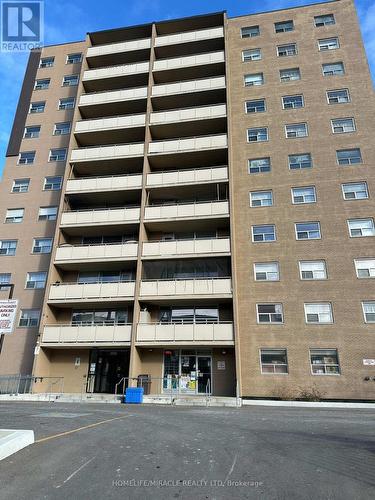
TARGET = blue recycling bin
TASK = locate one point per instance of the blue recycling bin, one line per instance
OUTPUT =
(133, 395)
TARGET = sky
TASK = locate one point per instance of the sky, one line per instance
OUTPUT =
(67, 20)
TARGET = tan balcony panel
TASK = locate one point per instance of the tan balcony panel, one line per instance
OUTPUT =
(88, 292)
(185, 87)
(96, 253)
(101, 184)
(128, 128)
(187, 211)
(193, 333)
(68, 335)
(116, 71)
(210, 287)
(103, 153)
(182, 177)
(190, 36)
(100, 216)
(189, 61)
(114, 102)
(179, 248)
(188, 144)
(115, 123)
(117, 48)
(189, 114)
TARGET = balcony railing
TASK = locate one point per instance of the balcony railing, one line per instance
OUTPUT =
(116, 71)
(190, 176)
(189, 36)
(62, 292)
(186, 247)
(106, 251)
(187, 210)
(112, 123)
(117, 48)
(101, 216)
(107, 97)
(189, 86)
(105, 183)
(189, 114)
(115, 151)
(189, 144)
(194, 332)
(189, 61)
(183, 287)
(87, 334)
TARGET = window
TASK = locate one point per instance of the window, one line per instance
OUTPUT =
(46, 62)
(324, 362)
(70, 80)
(255, 79)
(325, 20)
(36, 280)
(284, 26)
(361, 228)
(293, 102)
(257, 134)
(263, 234)
(365, 268)
(333, 69)
(349, 156)
(26, 158)
(308, 230)
(32, 132)
(62, 128)
(52, 183)
(8, 247)
(29, 318)
(296, 130)
(57, 155)
(266, 271)
(74, 58)
(20, 185)
(369, 311)
(42, 84)
(303, 195)
(287, 50)
(355, 191)
(318, 313)
(47, 213)
(328, 43)
(261, 199)
(42, 245)
(274, 361)
(343, 125)
(312, 270)
(257, 106)
(259, 165)
(338, 96)
(66, 103)
(37, 107)
(106, 317)
(5, 278)
(270, 313)
(14, 215)
(297, 162)
(251, 55)
(287, 75)
(250, 31)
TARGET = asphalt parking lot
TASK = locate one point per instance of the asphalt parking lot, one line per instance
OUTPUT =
(97, 451)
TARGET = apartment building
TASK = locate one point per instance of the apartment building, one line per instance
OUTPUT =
(216, 227)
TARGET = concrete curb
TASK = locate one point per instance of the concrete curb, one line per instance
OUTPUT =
(307, 404)
(13, 440)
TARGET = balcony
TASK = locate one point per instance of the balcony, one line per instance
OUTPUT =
(86, 335)
(100, 217)
(109, 156)
(189, 36)
(189, 42)
(195, 210)
(114, 252)
(68, 293)
(181, 334)
(187, 177)
(113, 102)
(103, 184)
(116, 77)
(182, 288)
(186, 248)
(123, 52)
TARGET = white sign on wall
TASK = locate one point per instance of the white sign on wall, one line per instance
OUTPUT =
(369, 362)
(8, 311)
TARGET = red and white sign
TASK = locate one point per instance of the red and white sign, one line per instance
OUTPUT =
(8, 311)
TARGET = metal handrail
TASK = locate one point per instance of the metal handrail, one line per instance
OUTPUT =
(106, 176)
(197, 278)
(117, 43)
(190, 55)
(186, 202)
(80, 245)
(189, 138)
(64, 283)
(87, 323)
(119, 65)
(108, 118)
(101, 209)
(203, 238)
(115, 90)
(189, 107)
(110, 145)
(190, 322)
(196, 169)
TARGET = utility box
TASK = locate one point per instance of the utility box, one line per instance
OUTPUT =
(133, 395)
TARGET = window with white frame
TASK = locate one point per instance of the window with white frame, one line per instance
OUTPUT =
(66, 103)
(259, 165)
(333, 69)
(261, 199)
(253, 80)
(355, 191)
(250, 31)
(328, 43)
(324, 362)
(274, 361)
(293, 102)
(303, 195)
(338, 96)
(300, 161)
(263, 233)
(319, 313)
(324, 20)
(343, 125)
(20, 185)
(26, 158)
(284, 26)
(36, 280)
(57, 154)
(295, 130)
(349, 156)
(62, 128)
(5, 278)
(259, 134)
(42, 84)
(42, 245)
(266, 271)
(29, 318)
(360, 228)
(290, 74)
(74, 58)
(8, 247)
(14, 215)
(37, 107)
(255, 106)
(251, 55)
(46, 62)
(368, 308)
(70, 80)
(312, 270)
(270, 313)
(31, 132)
(47, 213)
(287, 50)
(52, 183)
(307, 230)
(365, 268)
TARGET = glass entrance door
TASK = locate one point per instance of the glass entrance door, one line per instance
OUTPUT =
(204, 374)
(187, 372)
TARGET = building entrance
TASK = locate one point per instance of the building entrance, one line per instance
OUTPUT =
(106, 368)
(187, 371)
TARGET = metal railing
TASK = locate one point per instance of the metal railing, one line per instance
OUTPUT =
(186, 202)
(101, 209)
(28, 384)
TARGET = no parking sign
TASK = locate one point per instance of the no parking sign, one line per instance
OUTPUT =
(8, 311)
